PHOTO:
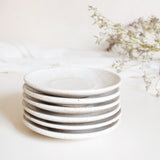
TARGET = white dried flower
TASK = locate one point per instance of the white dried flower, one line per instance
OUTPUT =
(136, 42)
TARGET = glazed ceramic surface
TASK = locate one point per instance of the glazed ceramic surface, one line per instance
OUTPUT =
(71, 109)
(61, 100)
(80, 134)
(73, 82)
(71, 126)
(67, 118)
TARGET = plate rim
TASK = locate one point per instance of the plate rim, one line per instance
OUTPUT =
(75, 93)
(66, 100)
(70, 119)
(72, 110)
(78, 126)
(69, 136)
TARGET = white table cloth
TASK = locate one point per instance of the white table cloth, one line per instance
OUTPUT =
(137, 136)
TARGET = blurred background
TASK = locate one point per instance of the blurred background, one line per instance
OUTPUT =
(65, 23)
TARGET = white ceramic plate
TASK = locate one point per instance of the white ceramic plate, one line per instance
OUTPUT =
(61, 100)
(66, 118)
(55, 133)
(70, 126)
(71, 110)
(73, 82)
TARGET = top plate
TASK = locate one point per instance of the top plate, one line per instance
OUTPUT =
(73, 82)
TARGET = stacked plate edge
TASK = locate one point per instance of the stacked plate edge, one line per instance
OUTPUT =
(71, 103)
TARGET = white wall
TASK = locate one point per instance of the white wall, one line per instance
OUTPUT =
(64, 23)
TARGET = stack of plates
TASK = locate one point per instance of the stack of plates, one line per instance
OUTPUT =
(71, 103)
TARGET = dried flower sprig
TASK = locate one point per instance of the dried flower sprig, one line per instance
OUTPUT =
(137, 42)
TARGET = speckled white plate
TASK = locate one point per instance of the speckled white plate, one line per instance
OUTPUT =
(71, 126)
(67, 118)
(72, 109)
(73, 82)
(70, 135)
(61, 100)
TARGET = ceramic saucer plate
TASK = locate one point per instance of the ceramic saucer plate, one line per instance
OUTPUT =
(70, 126)
(73, 82)
(61, 100)
(71, 110)
(67, 118)
(72, 135)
